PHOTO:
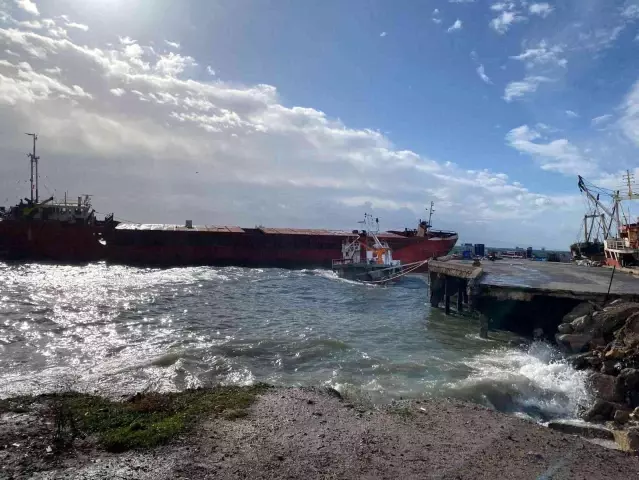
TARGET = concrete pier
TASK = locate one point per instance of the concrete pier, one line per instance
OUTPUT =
(521, 295)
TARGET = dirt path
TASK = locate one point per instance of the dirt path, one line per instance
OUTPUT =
(310, 434)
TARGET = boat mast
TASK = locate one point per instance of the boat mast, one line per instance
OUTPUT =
(34, 162)
(430, 213)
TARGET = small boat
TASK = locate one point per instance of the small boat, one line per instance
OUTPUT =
(366, 258)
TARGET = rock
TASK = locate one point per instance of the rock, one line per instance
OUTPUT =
(609, 367)
(579, 311)
(628, 440)
(621, 416)
(614, 317)
(629, 334)
(583, 361)
(635, 414)
(565, 328)
(602, 411)
(604, 387)
(583, 429)
(615, 354)
(627, 386)
(580, 324)
(574, 342)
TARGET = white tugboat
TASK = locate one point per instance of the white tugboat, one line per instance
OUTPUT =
(366, 258)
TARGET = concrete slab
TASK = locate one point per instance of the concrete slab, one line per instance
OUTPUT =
(550, 276)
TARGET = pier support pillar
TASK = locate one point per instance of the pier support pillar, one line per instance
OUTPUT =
(447, 293)
(436, 289)
(460, 296)
(483, 326)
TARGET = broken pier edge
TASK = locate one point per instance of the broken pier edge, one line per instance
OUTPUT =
(523, 296)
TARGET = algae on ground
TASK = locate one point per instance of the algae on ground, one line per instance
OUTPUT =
(143, 421)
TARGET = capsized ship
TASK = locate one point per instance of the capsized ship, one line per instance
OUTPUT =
(174, 245)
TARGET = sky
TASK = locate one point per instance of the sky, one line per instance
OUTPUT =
(310, 114)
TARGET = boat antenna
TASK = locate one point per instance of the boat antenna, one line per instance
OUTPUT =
(34, 163)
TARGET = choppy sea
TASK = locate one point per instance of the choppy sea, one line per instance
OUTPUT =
(117, 330)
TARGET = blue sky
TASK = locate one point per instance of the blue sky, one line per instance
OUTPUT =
(309, 113)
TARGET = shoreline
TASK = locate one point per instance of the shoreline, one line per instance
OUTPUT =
(275, 432)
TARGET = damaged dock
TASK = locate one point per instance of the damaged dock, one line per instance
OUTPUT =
(523, 295)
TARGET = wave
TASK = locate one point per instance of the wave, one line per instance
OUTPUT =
(536, 383)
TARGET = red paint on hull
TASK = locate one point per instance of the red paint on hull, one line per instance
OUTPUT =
(169, 248)
(50, 241)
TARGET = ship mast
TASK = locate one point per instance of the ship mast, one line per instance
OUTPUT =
(430, 213)
(33, 158)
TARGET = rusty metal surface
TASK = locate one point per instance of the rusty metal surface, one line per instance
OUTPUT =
(305, 231)
(179, 228)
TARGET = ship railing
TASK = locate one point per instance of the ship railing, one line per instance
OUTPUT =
(343, 261)
(615, 244)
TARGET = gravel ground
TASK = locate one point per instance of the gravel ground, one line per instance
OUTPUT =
(309, 434)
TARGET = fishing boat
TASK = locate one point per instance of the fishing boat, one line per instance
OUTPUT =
(369, 259)
(620, 245)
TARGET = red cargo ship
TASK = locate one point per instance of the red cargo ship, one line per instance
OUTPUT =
(59, 231)
(169, 245)
(48, 230)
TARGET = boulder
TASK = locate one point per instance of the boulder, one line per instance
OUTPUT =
(615, 354)
(635, 414)
(629, 334)
(605, 387)
(583, 361)
(601, 411)
(628, 440)
(565, 328)
(621, 416)
(573, 342)
(582, 429)
(627, 386)
(579, 311)
(580, 324)
(609, 367)
(613, 317)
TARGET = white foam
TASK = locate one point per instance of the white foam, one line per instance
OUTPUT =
(536, 379)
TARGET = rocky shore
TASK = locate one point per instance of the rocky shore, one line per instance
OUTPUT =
(606, 342)
(263, 433)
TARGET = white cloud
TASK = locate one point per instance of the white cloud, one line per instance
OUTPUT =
(502, 6)
(598, 121)
(437, 20)
(210, 70)
(631, 12)
(436, 11)
(572, 114)
(28, 6)
(383, 34)
(527, 85)
(629, 122)
(175, 45)
(541, 9)
(32, 24)
(557, 155)
(482, 75)
(252, 152)
(126, 40)
(455, 26)
(542, 54)
(78, 26)
(503, 22)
